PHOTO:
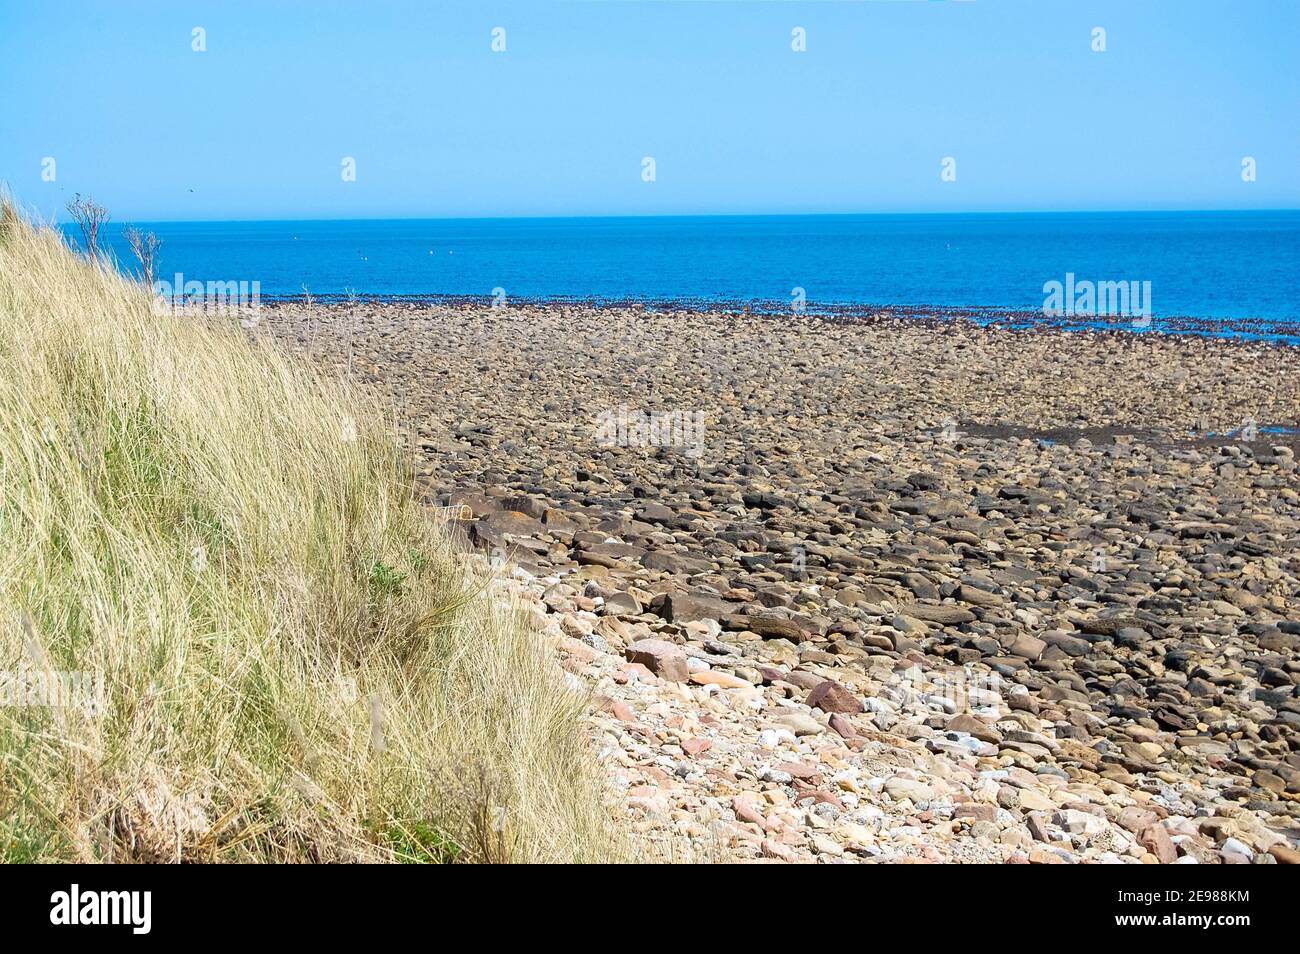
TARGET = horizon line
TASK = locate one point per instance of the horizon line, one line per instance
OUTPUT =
(708, 215)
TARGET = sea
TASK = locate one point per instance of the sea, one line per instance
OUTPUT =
(1220, 273)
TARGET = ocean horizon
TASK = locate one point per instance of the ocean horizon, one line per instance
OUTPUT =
(1237, 267)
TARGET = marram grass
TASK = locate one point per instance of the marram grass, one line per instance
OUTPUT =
(295, 665)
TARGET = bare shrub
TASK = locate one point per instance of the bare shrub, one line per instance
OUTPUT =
(145, 245)
(90, 217)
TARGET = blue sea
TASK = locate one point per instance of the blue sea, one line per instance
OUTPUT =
(1235, 270)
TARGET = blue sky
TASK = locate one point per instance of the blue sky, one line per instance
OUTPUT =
(737, 122)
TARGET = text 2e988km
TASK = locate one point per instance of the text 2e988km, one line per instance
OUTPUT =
(1201, 897)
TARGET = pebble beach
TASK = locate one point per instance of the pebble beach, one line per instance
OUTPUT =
(868, 588)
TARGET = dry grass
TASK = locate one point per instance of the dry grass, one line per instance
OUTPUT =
(296, 666)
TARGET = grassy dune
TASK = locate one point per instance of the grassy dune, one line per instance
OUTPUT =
(295, 665)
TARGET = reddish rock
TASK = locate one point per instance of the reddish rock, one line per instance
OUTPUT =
(772, 849)
(696, 747)
(622, 711)
(632, 671)
(976, 811)
(802, 679)
(656, 774)
(803, 790)
(746, 812)
(1155, 839)
(842, 726)
(830, 696)
(798, 769)
(666, 660)
(741, 832)
(974, 727)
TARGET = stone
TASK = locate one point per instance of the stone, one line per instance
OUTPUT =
(830, 696)
(696, 747)
(1080, 823)
(978, 597)
(976, 727)
(746, 811)
(772, 628)
(724, 680)
(666, 660)
(976, 811)
(1026, 646)
(800, 724)
(622, 604)
(842, 726)
(1135, 819)
(913, 791)
(1156, 840)
(1037, 826)
(944, 614)
(1285, 854)
(680, 607)
(1032, 800)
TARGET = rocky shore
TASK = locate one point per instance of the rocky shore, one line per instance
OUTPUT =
(866, 588)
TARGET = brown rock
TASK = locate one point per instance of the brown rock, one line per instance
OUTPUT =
(944, 614)
(683, 607)
(1156, 840)
(800, 770)
(664, 659)
(770, 627)
(747, 812)
(978, 597)
(772, 849)
(696, 747)
(1136, 819)
(803, 679)
(1285, 855)
(976, 811)
(1027, 647)
(976, 727)
(512, 521)
(622, 604)
(830, 696)
(842, 726)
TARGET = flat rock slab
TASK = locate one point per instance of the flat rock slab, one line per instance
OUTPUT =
(942, 613)
(685, 607)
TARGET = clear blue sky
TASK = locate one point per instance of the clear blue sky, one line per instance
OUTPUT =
(737, 122)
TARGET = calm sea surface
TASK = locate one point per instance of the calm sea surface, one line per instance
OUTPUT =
(1207, 265)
